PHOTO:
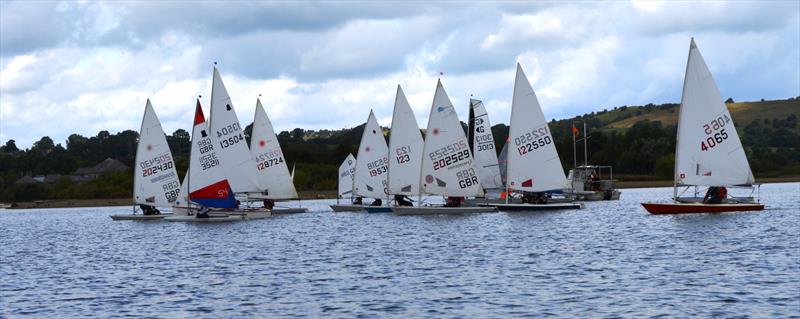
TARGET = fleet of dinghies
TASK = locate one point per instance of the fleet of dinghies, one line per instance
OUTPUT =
(226, 177)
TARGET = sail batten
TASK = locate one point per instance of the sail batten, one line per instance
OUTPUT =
(708, 149)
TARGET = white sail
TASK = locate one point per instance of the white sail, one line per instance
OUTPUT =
(483, 146)
(206, 179)
(709, 152)
(273, 173)
(533, 162)
(229, 142)
(405, 149)
(155, 180)
(183, 195)
(447, 164)
(371, 163)
(346, 172)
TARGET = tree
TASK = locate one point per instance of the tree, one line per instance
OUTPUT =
(10, 147)
(44, 145)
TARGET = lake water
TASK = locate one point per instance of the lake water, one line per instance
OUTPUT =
(611, 259)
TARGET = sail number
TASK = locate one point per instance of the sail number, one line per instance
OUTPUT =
(236, 136)
(378, 167)
(205, 146)
(449, 154)
(269, 159)
(155, 165)
(403, 154)
(209, 161)
(715, 131)
(171, 190)
(269, 163)
(467, 178)
(535, 139)
(485, 142)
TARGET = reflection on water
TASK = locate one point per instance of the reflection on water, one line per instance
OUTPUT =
(610, 259)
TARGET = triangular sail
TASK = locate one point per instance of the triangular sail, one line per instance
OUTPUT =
(273, 173)
(207, 183)
(483, 146)
(155, 180)
(346, 172)
(709, 152)
(533, 162)
(405, 149)
(371, 163)
(229, 142)
(447, 164)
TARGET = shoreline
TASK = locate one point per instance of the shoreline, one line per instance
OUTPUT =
(322, 194)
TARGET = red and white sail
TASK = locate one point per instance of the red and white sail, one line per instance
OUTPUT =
(533, 162)
(273, 173)
(708, 152)
(207, 183)
(155, 179)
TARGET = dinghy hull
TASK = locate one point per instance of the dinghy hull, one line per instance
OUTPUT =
(286, 211)
(347, 208)
(378, 209)
(212, 218)
(694, 208)
(534, 207)
(139, 217)
(440, 210)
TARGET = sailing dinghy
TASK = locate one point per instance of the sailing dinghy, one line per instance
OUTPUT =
(205, 180)
(345, 188)
(447, 167)
(708, 150)
(405, 152)
(483, 148)
(533, 162)
(231, 146)
(370, 179)
(273, 173)
(155, 181)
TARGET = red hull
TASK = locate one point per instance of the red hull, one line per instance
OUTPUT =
(688, 208)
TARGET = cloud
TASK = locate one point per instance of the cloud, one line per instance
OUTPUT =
(323, 65)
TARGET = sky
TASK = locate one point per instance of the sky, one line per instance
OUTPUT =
(86, 66)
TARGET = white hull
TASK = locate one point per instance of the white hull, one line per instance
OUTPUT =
(347, 208)
(440, 210)
(139, 217)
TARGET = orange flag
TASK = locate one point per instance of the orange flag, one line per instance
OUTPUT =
(575, 131)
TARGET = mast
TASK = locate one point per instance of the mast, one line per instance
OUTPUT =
(677, 135)
(585, 149)
(574, 153)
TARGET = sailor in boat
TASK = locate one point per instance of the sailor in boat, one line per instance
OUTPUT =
(376, 202)
(453, 201)
(269, 203)
(402, 200)
(149, 210)
(534, 198)
(715, 195)
(203, 213)
(358, 201)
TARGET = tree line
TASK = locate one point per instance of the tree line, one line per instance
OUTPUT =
(645, 150)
